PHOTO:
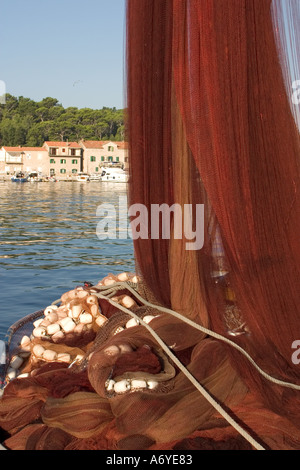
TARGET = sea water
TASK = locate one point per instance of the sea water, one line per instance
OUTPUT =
(49, 244)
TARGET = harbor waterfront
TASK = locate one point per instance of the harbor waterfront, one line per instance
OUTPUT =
(49, 244)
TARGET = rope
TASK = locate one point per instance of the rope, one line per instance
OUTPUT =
(124, 285)
(192, 379)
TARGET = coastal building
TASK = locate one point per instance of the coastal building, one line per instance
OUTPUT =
(99, 154)
(26, 159)
(65, 159)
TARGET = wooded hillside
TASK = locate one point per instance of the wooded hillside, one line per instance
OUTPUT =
(27, 122)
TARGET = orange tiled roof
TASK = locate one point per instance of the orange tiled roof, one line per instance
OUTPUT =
(122, 145)
(24, 149)
(62, 144)
(98, 144)
(94, 144)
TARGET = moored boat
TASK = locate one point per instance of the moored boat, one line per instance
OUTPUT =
(95, 177)
(83, 177)
(34, 177)
(115, 175)
(19, 178)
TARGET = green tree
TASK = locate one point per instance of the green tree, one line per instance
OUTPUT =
(26, 106)
(39, 133)
(49, 103)
(11, 104)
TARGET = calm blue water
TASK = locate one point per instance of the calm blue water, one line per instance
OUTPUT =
(48, 243)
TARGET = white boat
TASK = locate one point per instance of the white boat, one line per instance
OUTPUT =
(34, 177)
(83, 177)
(115, 175)
(95, 177)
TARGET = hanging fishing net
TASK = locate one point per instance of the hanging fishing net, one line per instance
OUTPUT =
(197, 350)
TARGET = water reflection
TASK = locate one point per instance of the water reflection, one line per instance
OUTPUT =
(48, 243)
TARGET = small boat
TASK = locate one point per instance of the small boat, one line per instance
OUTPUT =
(19, 178)
(95, 177)
(83, 177)
(34, 177)
(115, 175)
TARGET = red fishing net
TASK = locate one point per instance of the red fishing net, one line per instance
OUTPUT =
(211, 121)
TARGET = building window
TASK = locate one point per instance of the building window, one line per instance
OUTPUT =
(52, 171)
(93, 159)
(63, 171)
(52, 151)
(117, 159)
(63, 160)
(110, 159)
(73, 152)
(74, 162)
(63, 150)
(52, 160)
(96, 169)
(74, 170)
(102, 159)
(110, 148)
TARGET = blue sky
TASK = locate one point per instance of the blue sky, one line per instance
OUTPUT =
(72, 50)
